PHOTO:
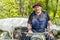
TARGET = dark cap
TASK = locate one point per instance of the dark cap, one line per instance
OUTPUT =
(37, 4)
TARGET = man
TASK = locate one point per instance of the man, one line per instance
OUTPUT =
(38, 21)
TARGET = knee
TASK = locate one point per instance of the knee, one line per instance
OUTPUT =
(27, 38)
(51, 35)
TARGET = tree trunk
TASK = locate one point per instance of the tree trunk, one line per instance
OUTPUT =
(46, 4)
(55, 9)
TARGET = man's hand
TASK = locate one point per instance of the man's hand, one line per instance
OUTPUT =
(51, 35)
(29, 33)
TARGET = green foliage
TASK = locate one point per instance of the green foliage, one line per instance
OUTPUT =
(8, 8)
(58, 34)
(23, 8)
(1, 31)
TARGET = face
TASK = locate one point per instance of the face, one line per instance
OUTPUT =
(37, 9)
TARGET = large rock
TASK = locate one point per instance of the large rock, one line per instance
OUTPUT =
(8, 24)
(56, 27)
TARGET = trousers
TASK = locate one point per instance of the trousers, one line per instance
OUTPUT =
(39, 31)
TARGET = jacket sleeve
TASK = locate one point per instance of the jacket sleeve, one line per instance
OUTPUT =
(30, 19)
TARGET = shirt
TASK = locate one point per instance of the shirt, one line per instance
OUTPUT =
(39, 21)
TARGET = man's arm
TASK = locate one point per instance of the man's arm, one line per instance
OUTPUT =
(29, 27)
(49, 27)
(29, 24)
(49, 24)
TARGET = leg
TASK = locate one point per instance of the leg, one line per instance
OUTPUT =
(49, 37)
(28, 38)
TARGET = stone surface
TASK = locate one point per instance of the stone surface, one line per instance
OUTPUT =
(8, 24)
